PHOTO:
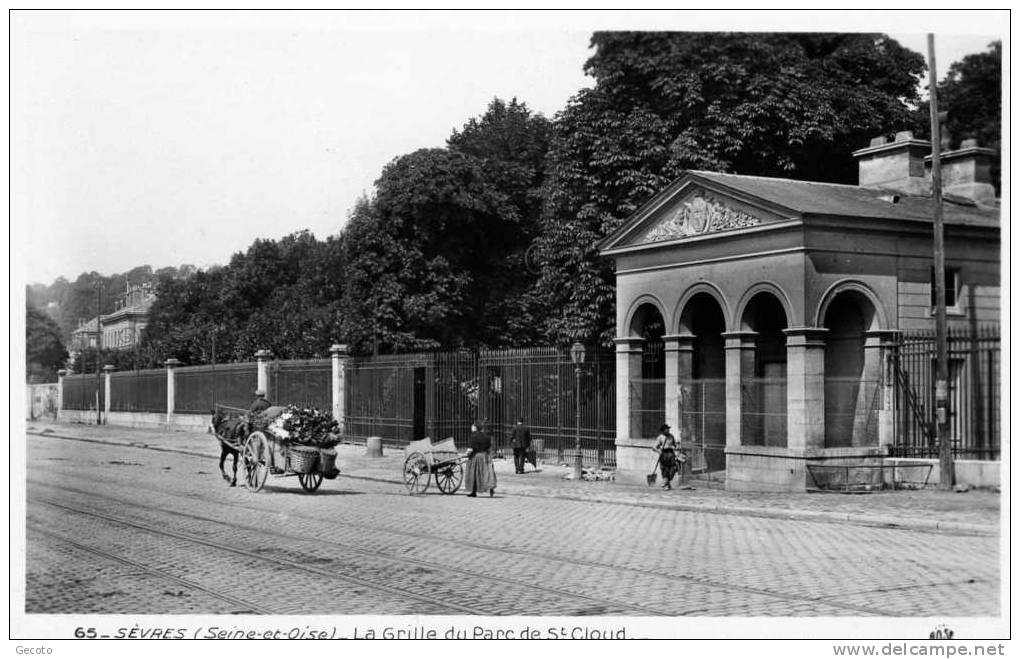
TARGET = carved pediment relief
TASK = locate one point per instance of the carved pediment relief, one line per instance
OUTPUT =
(699, 214)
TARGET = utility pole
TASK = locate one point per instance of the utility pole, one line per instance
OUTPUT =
(946, 475)
(99, 348)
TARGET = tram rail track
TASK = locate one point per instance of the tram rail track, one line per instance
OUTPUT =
(245, 605)
(279, 562)
(700, 581)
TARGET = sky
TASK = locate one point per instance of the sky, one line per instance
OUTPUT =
(168, 138)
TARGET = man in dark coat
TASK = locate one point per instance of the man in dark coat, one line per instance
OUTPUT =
(520, 440)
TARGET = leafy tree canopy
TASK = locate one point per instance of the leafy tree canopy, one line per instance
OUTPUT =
(791, 105)
(971, 96)
(282, 296)
(44, 350)
(971, 93)
(436, 258)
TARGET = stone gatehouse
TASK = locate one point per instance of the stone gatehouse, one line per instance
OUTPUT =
(756, 315)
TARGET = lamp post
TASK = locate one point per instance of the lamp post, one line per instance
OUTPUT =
(577, 355)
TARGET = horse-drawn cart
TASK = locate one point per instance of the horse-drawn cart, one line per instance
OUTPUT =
(425, 460)
(263, 454)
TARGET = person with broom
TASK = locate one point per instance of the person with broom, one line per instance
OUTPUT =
(665, 446)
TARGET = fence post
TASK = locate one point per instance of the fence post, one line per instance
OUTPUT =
(338, 352)
(170, 364)
(60, 392)
(263, 357)
(107, 370)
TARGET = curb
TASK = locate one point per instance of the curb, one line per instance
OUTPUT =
(881, 521)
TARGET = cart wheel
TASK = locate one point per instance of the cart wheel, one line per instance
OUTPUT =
(449, 478)
(256, 461)
(416, 473)
(310, 482)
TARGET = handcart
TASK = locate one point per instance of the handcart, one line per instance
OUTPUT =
(425, 459)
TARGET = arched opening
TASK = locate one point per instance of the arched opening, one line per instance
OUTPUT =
(648, 391)
(702, 383)
(851, 398)
(763, 389)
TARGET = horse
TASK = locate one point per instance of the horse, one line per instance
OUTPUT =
(231, 428)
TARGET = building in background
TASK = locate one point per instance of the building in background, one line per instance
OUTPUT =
(122, 329)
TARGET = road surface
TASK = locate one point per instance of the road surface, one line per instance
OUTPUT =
(114, 529)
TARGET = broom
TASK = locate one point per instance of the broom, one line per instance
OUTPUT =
(651, 478)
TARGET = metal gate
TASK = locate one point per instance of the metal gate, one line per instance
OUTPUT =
(402, 398)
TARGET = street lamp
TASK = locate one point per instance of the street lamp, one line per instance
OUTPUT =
(577, 355)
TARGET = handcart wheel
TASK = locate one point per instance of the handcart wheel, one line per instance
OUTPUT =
(416, 473)
(310, 482)
(449, 477)
(256, 461)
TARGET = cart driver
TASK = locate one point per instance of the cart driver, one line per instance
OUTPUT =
(260, 404)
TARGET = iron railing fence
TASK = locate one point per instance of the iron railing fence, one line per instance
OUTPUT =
(447, 396)
(647, 406)
(301, 382)
(563, 404)
(702, 416)
(763, 411)
(138, 391)
(851, 411)
(402, 398)
(83, 392)
(974, 394)
(197, 389)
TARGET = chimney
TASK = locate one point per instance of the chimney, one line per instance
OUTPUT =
(967, 172)
(896, 165)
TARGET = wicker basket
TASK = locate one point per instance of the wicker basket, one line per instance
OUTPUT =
(327, 460)
(303, 458)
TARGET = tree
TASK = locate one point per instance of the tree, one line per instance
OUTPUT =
(419, 252)
(123, 360)
(971, 96)
(283, 296)
(436, 259)
(512, 144)
(791, 105)
(44, 350)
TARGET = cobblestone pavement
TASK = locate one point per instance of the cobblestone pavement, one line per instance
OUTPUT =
(120, 529)
(924, 509)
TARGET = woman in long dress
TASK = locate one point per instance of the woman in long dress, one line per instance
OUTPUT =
(480, 476)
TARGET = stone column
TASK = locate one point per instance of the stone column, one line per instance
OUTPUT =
(628, 366)
(805, 387)
(170, 365)
(888, 341)
(262, 357)
(107, 370)
(338, 352)
(60, 391)
(739, 365)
